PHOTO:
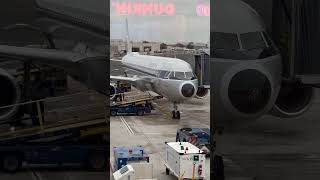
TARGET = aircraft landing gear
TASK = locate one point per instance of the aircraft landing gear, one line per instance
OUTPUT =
(175, 112)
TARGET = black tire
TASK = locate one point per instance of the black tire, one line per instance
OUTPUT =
(140, 112)
(97, 161)
(11, 163)
(218, 167)
(113, 113)
(177, 138)
(167, 171)
(174, 115)
(178, 115)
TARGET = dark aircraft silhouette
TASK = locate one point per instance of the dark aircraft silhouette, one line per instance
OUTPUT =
(76, 36)
(247, 69)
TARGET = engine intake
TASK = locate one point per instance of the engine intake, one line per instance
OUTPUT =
(112, 91)
(249, 91)
(10, 95)
(202, 92)
(187, 90)
(293, 100)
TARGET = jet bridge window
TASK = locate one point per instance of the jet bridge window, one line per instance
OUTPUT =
(227, 41)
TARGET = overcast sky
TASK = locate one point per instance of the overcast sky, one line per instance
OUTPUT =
(186, 25)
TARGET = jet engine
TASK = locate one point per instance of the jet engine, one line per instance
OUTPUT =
(10, 95)
(293, 100)
(202, 92)
(112, 90)
(244, 90)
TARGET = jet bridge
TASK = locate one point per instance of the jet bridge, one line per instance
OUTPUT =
(295, 29)
(202, 68)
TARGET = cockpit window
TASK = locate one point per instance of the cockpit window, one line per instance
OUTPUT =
(171, 76)
(182, 76)
(252, 40)
(253, 46)
(268, 39)
(228, 41)
(190, 75)
(164, 74)
(179, 75)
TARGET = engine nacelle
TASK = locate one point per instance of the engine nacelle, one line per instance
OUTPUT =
(202, 92)
(293, 100)
(10, 95)
(112, 91)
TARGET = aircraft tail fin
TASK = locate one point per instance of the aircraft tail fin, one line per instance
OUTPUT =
(128, 45)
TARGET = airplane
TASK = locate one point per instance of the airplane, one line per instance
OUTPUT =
(74, 42)
(247, 69)
(169, 77)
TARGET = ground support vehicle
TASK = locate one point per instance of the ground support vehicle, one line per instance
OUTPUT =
(199, 137)
(184, 160)
(126, 155)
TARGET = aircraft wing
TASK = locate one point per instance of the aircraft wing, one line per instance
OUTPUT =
(91, 71)
(89, 14)
(122, 78)
(117, 60)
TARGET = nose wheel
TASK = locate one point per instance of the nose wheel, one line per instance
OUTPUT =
(175, 112)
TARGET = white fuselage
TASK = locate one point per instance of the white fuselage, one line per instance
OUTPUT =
(165, 76)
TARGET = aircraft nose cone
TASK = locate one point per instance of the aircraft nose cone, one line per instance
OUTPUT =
(188, 90)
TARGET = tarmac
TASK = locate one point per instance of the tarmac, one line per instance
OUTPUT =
(153, 130)
(274, 148)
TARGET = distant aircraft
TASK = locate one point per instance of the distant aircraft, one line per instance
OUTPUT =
(75, 36)
(247, 68)
(170, 77)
